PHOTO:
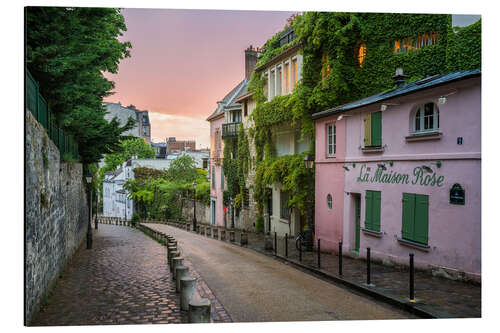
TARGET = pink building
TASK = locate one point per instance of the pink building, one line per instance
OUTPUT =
(400, 172)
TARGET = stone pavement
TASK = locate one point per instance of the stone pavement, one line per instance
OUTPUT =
(441, 297)
(123, 279)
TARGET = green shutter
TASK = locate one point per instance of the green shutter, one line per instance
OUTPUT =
(376, 128)
(376, 204)
(368, 130)
(408, 215)
(369, 210)
(421, 218)
(221, 179)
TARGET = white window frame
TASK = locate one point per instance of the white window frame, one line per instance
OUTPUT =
(272, 83)
(279, 79)
(435, 119)
(333, 144)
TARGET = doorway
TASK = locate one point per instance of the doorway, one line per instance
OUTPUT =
(357, 220)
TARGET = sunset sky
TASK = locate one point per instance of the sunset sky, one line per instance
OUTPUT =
(183, 61)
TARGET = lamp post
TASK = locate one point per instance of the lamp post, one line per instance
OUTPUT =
(194, 205)
(88, 178)
(309, 163)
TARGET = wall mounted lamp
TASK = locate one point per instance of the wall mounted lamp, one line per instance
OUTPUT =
(343, 115)
(442, 100)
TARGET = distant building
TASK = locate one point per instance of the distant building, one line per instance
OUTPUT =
(115, 202)
(177, 146)
(160, 149)
(122, 113)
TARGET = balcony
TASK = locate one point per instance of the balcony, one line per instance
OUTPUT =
(230, 130)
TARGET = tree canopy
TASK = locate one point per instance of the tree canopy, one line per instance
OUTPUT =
(68, 50)
(136, 146)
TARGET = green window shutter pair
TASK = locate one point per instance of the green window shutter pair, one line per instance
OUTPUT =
(415, 217)
(373, 129)
(372, 210)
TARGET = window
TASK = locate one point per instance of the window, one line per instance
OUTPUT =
(278, 81)
(286, 80)
(246, 198)
(145, 130)
(410, 43)
(325, 66)
(284, 209)
(415, 217)
(245, 108)
(222, 179)
(372, 210)
(266, 92)
(373, 129)
(272, 85)
(295, 73)
(329, 201)
(361, 54)
(426, 118)
(213, 178)
(331, 140)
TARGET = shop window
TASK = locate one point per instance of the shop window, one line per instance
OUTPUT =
(372, 210)
(361, 54)
(415, 217)
(329, 201)
(426, 118)
(373, 129)
(331, 138)
(284, 209)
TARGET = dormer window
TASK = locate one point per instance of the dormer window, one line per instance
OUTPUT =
(426, 119)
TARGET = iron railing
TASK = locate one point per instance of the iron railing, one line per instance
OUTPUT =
(38, 107)
(230, 130)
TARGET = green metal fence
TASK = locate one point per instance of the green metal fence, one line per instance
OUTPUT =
(37, 105)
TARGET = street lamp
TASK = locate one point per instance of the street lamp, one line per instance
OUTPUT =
(88, 178)
(194, 205)
(309, 163)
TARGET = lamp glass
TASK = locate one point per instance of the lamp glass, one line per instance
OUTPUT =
(194, 184)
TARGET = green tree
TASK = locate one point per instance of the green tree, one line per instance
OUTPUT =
(182, 169)
(136, 146)
(67, 51)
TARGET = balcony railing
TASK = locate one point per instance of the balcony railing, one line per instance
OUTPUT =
(230, 130)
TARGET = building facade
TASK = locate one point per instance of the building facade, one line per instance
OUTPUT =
(123, 113)
(400, 172)
(175, 146)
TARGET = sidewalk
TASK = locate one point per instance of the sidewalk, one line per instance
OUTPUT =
(435, 296)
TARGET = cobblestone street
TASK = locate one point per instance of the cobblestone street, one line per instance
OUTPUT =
(124, 279)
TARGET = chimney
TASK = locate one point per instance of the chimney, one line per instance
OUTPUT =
(399, 78)
(250, 61)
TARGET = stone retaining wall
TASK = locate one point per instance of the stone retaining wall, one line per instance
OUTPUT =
(56, 214)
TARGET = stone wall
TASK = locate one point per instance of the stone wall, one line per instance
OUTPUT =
(56, 214)
(202, 211)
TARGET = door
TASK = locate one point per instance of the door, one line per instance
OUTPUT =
(357, 222)
(212, 211)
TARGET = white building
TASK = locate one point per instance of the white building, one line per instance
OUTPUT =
(115, 201)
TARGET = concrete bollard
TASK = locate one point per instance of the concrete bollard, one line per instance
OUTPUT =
(175, 254)
(177, 262)
(231, 236)
(181, 272)
(170, 251)
(199, 311)
(188, 290)
(243, 238)
(223, 235)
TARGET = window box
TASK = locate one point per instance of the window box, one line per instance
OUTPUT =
(424, 136)
(373, 233)
(415, 245)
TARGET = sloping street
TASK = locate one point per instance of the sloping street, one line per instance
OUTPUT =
(256, 288)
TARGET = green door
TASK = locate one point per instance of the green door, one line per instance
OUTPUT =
(357, 214)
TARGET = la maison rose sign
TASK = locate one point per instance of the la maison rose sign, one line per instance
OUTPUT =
(419, 177)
